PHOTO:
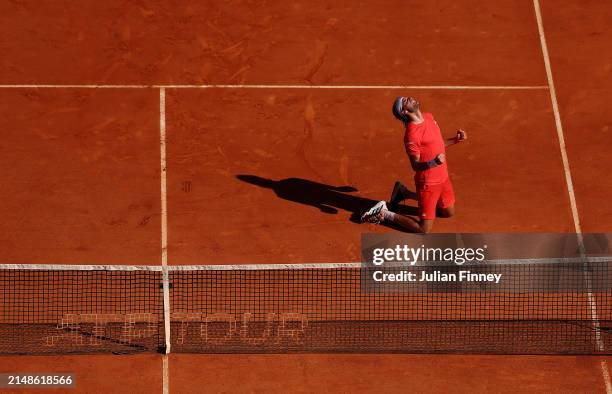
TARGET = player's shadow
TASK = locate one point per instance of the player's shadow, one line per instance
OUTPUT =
(327, 198)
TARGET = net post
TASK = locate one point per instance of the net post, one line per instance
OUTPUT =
(166, 292)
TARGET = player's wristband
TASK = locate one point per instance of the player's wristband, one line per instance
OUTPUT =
(433, 163)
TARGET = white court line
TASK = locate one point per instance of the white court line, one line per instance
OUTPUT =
(570, 185)
(382, 87)
(555, 105)
(164, 238)
(162, 154)
(606, 375)
(166, 383)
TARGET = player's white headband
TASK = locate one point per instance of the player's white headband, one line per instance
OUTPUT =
(397, 109)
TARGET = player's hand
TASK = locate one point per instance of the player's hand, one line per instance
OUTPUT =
(461, 136)
(441, 158)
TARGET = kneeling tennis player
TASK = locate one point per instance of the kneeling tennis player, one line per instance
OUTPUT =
(427, 152)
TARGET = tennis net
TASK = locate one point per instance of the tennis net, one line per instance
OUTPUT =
(545, 307)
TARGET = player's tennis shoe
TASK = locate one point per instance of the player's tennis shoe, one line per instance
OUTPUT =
(374, 214)
(399, 194)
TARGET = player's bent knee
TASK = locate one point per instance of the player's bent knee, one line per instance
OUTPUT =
(426, 226)
(447, 212)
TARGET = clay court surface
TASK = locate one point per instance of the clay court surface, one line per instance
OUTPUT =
(258, 111)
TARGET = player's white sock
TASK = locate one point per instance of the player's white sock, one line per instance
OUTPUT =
(388, 215)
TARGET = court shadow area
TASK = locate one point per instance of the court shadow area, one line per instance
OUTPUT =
(327, 198)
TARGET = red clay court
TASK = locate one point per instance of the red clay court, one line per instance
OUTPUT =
(161, 134)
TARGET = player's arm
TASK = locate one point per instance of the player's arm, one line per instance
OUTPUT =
(413, 150)
(418, 165)
(459, 137)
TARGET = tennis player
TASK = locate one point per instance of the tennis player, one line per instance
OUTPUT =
(427, 152)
